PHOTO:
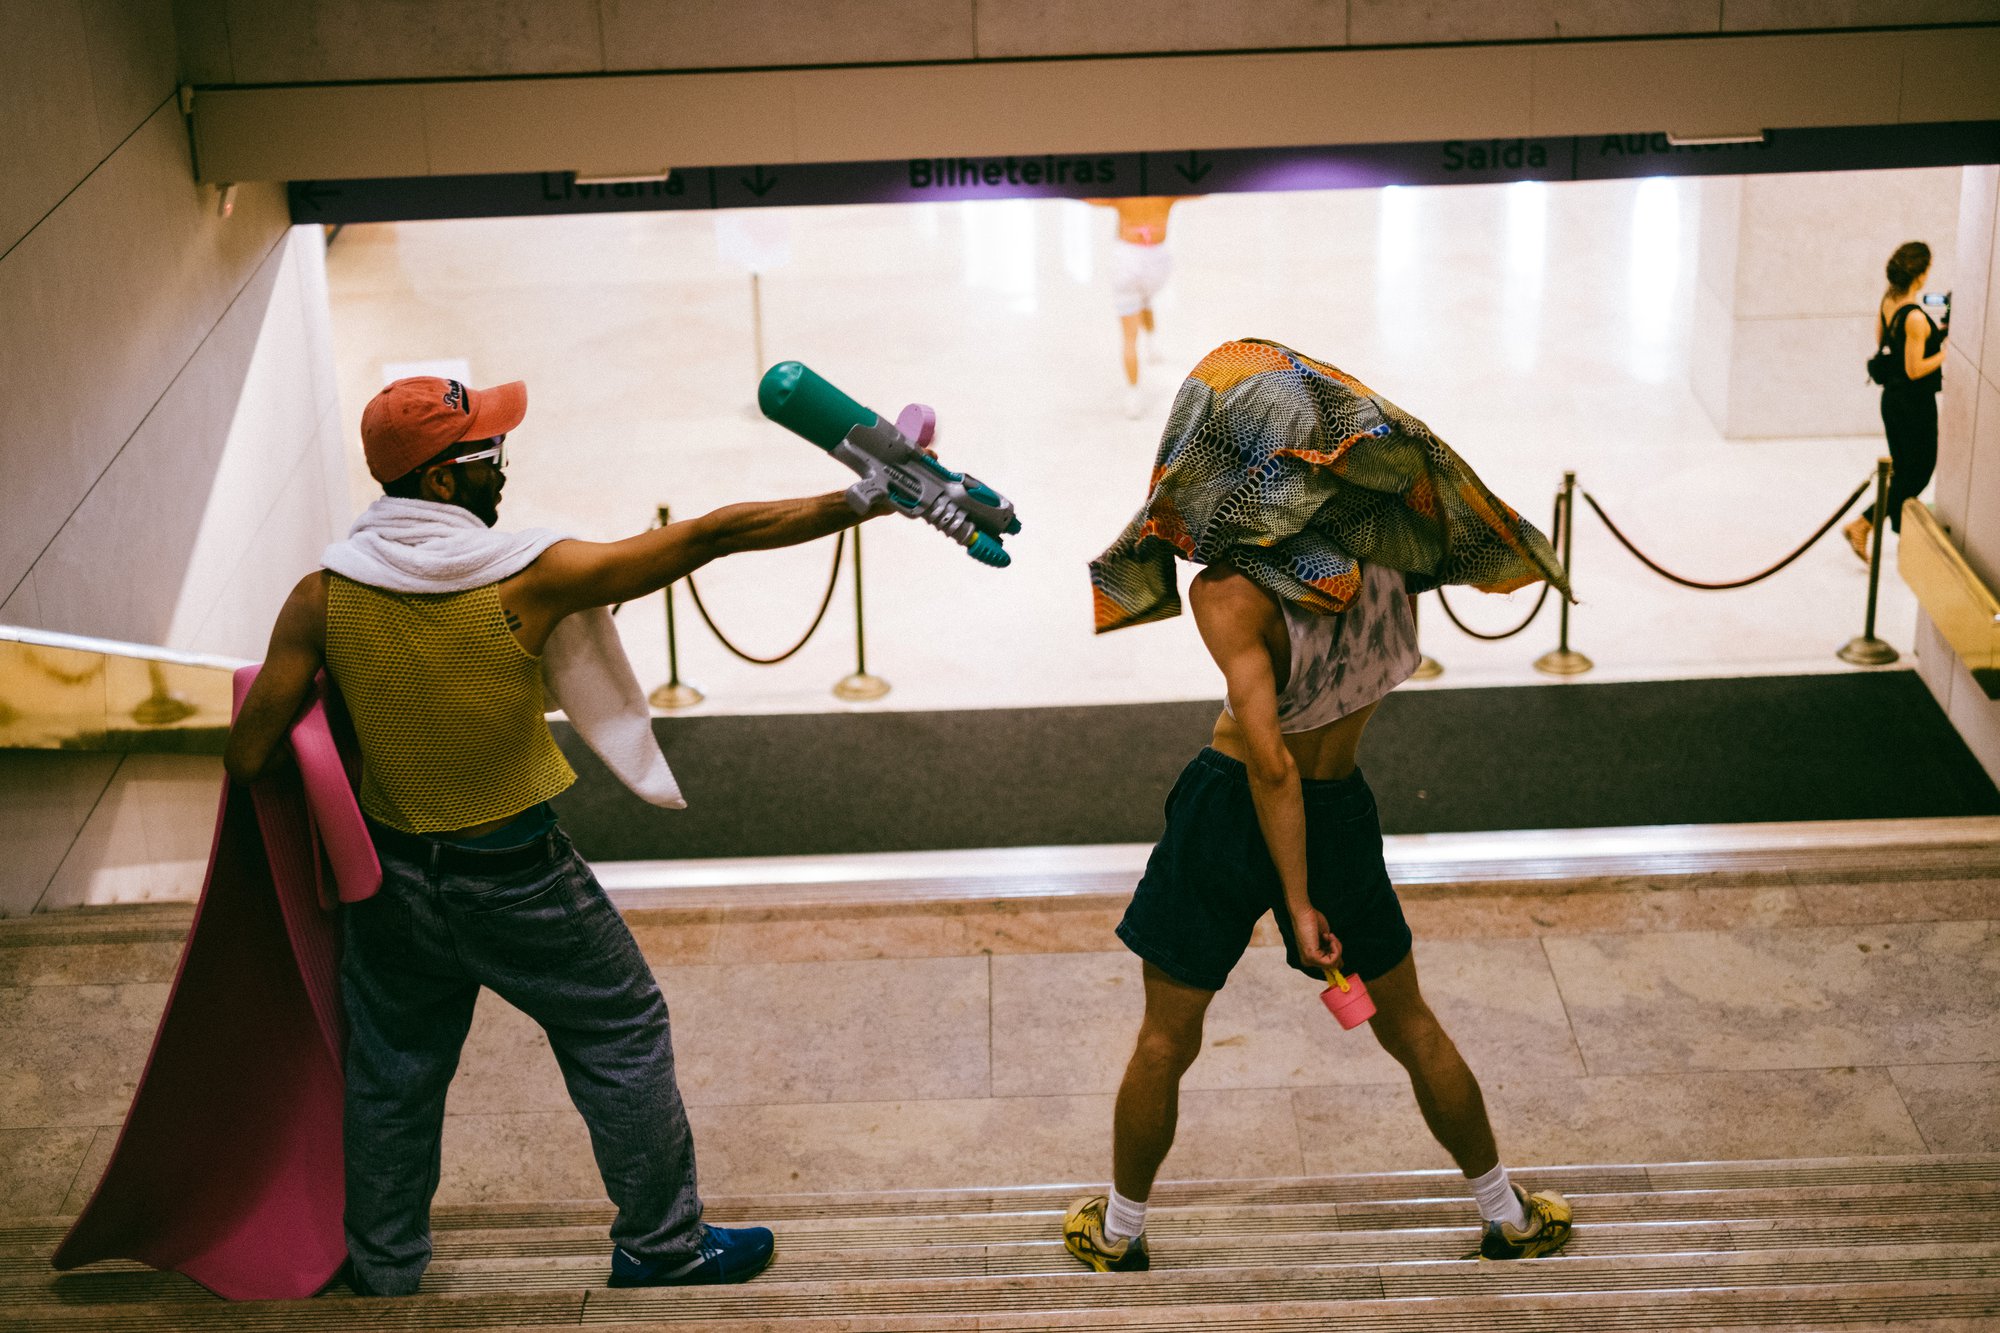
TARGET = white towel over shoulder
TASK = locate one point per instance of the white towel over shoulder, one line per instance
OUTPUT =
(417, 546)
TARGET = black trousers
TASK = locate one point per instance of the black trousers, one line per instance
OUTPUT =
(1909, 418)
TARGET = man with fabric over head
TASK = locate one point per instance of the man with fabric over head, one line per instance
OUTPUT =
(448, 641)
(1316, 509)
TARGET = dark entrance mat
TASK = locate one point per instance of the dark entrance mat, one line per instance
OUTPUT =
(1862, 745)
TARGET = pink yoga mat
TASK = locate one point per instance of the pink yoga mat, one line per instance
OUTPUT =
(228, 1168)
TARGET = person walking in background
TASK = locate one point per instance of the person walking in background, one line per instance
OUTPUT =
(1913, 347)
(441, 636)
(1139, 268)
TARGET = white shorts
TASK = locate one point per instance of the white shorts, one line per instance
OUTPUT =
(1137, 274)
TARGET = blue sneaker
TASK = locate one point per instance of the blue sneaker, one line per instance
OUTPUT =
(726, 1254)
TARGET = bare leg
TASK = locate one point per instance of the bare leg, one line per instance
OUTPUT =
(1149, 1099)
(1447, 1093)
(1129, 327)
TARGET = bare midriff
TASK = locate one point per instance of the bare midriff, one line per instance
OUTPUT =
(1323, 754)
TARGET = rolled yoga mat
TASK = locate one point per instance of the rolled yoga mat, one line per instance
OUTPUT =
(229, 1165)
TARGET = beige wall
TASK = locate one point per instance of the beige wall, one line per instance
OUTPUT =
(1789, 274)
(316, 41)
(169, 460)
(1968, 476)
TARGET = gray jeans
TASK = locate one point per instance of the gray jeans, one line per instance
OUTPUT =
(533, 924)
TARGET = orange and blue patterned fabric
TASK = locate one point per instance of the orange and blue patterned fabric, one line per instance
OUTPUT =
(1293, 472)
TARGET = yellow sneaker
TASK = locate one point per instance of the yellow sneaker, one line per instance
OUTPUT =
(1547, 1230)
(1083, 1236)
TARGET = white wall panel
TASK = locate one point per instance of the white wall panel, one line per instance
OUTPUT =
(1389, 22)
(107, 300)
(1759, 15)
(753, 34)
(1017, 28)
(186, 490)
(1815, 243)
(201, 32)
(48, 134)
(283, 548)
(132, 64)
(1958, 414)
(304, 41)
(1973, 267)
(147, 837)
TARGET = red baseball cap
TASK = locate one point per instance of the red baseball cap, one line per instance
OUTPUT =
(414, 420)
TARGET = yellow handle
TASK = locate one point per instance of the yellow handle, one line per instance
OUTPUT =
(1334, 978)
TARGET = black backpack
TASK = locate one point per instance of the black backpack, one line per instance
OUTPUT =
(1886, 366)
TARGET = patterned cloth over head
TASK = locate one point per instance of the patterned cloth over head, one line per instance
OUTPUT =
(1292, 472)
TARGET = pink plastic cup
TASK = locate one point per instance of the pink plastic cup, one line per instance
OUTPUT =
(1347, 999)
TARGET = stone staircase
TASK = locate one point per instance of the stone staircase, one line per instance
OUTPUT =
(1869, 1243)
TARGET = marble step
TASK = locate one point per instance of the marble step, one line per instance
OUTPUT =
(1695, 1288)
(1688, 1191)
(551, 1262)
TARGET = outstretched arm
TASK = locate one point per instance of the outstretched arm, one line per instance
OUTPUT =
(1233, 614)
(573, 575)
(297, 651)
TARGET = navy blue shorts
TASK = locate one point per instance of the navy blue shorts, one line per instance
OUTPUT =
(1210, 878)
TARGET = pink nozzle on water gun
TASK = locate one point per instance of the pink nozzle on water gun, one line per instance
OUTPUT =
(1346, 999)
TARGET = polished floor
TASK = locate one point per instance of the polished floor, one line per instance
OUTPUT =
(1537, 328)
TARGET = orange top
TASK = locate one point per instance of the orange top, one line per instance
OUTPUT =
(1142, 220)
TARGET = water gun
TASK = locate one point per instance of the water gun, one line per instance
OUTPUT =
(892, 461)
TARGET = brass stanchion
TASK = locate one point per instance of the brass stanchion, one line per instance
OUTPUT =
(859, 687)
(1865, 649)
(1428, 667)
(756, 324)
(161, 708)
(1564, 660)
(676, 693)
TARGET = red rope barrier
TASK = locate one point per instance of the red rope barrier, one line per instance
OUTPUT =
(839, 544)
(1669, 575)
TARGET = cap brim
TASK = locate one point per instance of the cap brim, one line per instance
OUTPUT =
(497, 410)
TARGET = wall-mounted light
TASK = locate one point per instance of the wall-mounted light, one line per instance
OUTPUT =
(627, 178)
(225, 199)
(1712, 140)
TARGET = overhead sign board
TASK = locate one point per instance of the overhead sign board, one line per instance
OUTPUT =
(1085, 175)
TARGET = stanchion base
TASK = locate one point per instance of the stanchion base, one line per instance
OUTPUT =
(675, 695)
(1563, 662)
(860, 687)
(163, 710)
(1428, 668)
(1864, 651)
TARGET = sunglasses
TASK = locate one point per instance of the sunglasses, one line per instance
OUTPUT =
(496, 450)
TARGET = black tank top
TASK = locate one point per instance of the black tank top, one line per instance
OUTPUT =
(1896, 333)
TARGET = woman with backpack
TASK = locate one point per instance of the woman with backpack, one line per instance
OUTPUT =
(1909, 365)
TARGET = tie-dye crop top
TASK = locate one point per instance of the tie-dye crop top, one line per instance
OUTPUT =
(1342, 663)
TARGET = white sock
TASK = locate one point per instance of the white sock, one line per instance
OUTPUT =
(1124, 1218)
(1497, 1200)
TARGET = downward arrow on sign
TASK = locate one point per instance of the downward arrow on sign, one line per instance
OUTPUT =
(762, 185)
(1195, 168)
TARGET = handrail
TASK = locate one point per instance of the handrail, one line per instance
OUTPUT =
(77, 692)
(145, 652)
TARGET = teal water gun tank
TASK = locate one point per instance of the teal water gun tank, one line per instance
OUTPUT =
(892, 461)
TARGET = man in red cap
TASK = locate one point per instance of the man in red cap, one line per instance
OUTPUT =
(441, 635)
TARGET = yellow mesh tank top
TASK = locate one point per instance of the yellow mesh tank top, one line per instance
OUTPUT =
(446, 703)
